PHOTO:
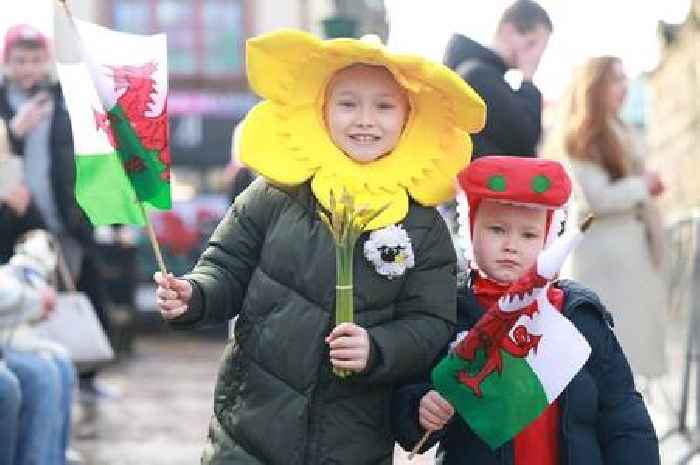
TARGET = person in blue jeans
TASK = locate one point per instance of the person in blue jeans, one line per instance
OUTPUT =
(10, 401)
(38, 432)
(45, 373)
(66, 376)
(46, 384)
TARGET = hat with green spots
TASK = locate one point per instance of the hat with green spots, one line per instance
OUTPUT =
(518, 180)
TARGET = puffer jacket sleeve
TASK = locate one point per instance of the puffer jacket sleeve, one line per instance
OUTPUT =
(625, 431)
(425, 312)
(221, 276)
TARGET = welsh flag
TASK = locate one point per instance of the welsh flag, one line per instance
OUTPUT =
(519, 356)
(116, 94)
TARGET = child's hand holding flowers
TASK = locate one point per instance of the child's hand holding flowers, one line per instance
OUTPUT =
(349, 347)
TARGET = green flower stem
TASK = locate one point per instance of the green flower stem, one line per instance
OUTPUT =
(343, 289)
(345, 221)
(344, 311)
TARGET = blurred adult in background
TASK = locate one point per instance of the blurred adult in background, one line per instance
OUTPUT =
(32, 106)
(621, 257)
(238, 177)
(17, 213)
(513, 118)
(241, 178)
(36, 377)
(43, 368)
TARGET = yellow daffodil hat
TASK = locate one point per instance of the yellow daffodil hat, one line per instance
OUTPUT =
(284, 138)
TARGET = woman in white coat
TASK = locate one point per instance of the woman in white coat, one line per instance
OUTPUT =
(622, 254)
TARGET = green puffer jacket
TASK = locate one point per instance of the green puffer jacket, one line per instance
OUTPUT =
(271, 261)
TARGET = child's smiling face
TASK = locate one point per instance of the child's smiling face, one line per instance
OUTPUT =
(365, 111)
(507, 239)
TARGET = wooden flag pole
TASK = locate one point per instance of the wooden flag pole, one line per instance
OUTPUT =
(417, 447)
(149, 226)
(64, 3)
(154, 242)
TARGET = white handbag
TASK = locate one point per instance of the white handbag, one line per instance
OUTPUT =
(74, 324)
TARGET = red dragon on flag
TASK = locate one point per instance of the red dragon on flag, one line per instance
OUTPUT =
(137, 88)
(493, 331)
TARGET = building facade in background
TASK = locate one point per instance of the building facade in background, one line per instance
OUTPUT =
(674, 113)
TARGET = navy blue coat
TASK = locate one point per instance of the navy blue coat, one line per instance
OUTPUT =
(603, 418)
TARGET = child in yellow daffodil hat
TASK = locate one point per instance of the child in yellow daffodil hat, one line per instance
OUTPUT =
(389, 130)
(289, 139)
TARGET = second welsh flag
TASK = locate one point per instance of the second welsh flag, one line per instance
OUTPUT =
(116, 95)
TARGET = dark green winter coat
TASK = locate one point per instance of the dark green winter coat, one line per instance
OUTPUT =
(272, 262)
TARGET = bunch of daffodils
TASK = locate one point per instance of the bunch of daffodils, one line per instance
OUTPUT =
(346, 222)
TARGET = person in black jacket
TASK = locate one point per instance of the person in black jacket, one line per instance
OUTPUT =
(513, 122)
(39, 132)
(599, 418)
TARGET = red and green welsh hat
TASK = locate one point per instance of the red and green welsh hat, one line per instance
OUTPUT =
(523, 181)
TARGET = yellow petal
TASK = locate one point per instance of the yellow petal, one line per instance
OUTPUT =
(260, 148)
(394, 213)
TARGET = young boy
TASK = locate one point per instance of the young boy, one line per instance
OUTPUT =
(599, 418)
(389, 130)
